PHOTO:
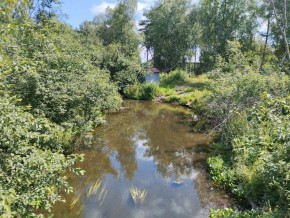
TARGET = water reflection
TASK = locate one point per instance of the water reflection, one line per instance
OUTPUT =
(150, 146)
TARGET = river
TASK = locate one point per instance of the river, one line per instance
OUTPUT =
(152, 147)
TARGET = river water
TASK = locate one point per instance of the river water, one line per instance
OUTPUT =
(152, 147)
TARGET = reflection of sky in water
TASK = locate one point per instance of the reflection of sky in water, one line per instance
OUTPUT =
(164, 197)
(158, 155)
(141, 146)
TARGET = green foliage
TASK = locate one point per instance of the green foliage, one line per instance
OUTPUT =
(251, 159)
(124, 71)
(174, 78)
(230, 213)
(195, 98)
(117, 27)
(166, 91)
(220, 173)
(222, 21)
(119, 53)
(168, 31)
(278, 13)
(56, 77)
(179, 30)
(237, 85)
(56, 82)
(142, 91)
(175, 87)
(32, 163)
(262, 153)
(258, 162)
(62, 87)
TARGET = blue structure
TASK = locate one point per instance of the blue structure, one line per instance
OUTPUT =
(153, 76)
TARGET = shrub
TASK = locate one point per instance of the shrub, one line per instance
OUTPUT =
(32, 164)
(124, 70)
(230, 213)
(177, 77)
(259, 156)
(142, 91)
(251, 113)
(172, 99)
(60, 82)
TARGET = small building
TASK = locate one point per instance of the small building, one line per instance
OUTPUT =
(153, 75)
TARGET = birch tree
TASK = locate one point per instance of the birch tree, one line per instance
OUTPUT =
(281, 18)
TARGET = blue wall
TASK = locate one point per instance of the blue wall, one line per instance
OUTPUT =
(153, 78)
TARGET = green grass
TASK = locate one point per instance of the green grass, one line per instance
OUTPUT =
(178, 87)
(175, 87)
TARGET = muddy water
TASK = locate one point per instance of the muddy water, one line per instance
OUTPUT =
(150, 146)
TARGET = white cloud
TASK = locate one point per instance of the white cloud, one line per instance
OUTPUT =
(143, 5)
(101, 8)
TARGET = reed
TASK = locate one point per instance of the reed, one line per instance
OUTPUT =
(102, 195)
(74, 201)
(94, 188)
(138, 195)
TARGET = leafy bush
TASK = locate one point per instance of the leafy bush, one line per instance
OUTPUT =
(238, 88)
(174, 78)
(166, 91)
(172, 99)
(60, 82)
(259, 156)
(61, 92)
(230, 213)
(251, 158)
(142, 91)
(32, 164)
(65, 82)
(124, 71)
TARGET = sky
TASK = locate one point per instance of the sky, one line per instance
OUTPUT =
(81, 10)
(78, 11)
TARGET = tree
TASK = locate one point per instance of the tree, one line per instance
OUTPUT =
(168, 33)
(280, 11)
(117, 27)
(50, 90)
(222, 21)
(23, 10)
(115, 30)
(265, 14)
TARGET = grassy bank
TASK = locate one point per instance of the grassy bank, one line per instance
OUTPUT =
(177, 87)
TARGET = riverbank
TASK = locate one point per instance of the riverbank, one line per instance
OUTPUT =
(177, 88)
(248, 111)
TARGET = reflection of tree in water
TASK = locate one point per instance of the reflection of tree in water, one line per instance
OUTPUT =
(208, 195)
(172, 145)
(175, 150)
(96, 165)
(146, 117)
(170, 142)
(118, 136)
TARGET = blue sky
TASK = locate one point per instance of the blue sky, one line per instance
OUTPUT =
(81, 10)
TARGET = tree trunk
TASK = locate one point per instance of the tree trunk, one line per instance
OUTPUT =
(282, 25)
(265, 45)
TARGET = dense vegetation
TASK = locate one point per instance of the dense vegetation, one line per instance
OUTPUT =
(242, 94)
(248, 113)
(57, 82)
